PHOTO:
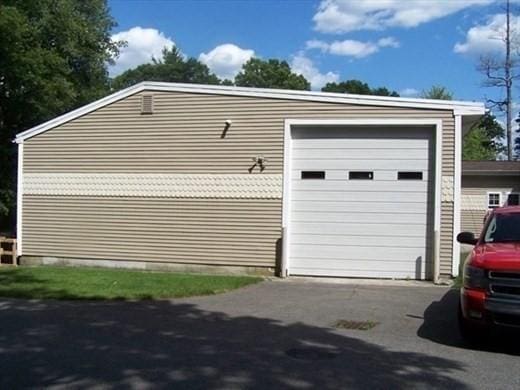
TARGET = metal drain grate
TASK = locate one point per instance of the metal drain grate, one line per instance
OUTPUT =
(355, 325)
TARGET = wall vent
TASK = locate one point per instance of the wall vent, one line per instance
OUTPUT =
(147, 104)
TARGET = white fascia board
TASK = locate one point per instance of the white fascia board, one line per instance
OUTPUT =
(459, 107)
(20, 137)
(470, 108)
(19, 200)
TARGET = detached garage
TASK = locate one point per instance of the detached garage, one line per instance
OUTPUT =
(226, 179)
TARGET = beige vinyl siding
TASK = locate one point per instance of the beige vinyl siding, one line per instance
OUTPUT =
(472, 220)
(474, 197)
(446, 237)
(203, 231)
(184, 135)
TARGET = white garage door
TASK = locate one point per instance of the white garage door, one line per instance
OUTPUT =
(361, 202)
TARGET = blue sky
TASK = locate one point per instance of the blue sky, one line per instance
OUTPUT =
(406, 46)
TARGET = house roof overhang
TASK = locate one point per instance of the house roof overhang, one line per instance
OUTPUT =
(491, 168)
(470, 111)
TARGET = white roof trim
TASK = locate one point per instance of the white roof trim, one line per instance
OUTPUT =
(458, 107)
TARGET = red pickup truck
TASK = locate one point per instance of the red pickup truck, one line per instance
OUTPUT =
(490, 295)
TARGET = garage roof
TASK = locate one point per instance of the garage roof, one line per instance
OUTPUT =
(458, 107)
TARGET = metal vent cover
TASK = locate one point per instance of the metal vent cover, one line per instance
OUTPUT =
(147, 104)
(355, 325)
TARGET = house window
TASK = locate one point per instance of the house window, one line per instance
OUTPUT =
(313, 175)
(493, 199)
(513, 199)
(360, 175)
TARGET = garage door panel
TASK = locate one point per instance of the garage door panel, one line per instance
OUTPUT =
(351, 253)
(359, 217)
(335, 174)
(361, 144)
(361, 197)
(359, 264)
(362, 165)
(361, 131)
(358, 154)
(352, 206)
(361, 270)
(358, 240)
(394, 230)
(360, 185)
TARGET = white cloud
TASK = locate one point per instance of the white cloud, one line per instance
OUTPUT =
(409, 92)
(226, 60)
(352, 48)
(388, 42)
(142, 45)
(304, 66)
(486, 38)
(341, 16)
(316, 44)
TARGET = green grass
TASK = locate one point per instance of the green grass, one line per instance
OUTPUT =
(457, 282)
(97, 283)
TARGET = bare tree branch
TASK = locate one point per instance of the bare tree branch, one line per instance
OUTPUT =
(500, 71)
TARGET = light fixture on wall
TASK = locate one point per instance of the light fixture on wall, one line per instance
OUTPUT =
(258, 161)
(227, 125)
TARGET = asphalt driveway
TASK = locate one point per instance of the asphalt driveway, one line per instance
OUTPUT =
(277, 334)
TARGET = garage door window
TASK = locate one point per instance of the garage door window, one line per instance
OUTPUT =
(361, 175)
(409, 175)
(313, 175)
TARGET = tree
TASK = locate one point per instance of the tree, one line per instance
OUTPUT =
(474, 147)
(53, 58)
(357, 87)
(483, 142)
(173, 67)
(500, 73)
(270, 74)
(437, 92)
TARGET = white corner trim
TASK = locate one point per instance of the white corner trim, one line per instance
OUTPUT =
(289, 123)
(438, 202)
(248, 186)
(457, 189)
(463, 108)
(286, 198)
(19, 200)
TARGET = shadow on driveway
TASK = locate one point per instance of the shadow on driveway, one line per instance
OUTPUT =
(440, 321)
(441, 326)
(167, 344)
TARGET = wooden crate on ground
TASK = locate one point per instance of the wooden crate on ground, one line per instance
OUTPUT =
(8, 251)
